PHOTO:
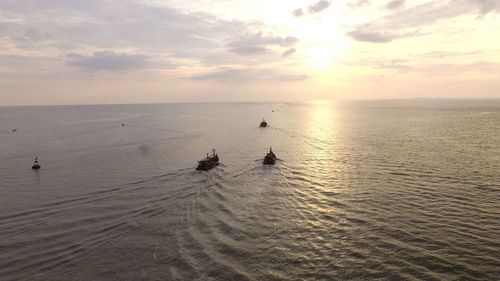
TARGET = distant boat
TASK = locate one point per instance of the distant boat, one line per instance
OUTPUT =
(263, 124)
(14, 130)
(36, 166)
(123, 124)
(270, 158)
(209, 162)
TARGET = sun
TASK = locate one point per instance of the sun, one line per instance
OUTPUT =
(321, 42)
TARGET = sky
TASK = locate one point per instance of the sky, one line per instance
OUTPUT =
(155, 51)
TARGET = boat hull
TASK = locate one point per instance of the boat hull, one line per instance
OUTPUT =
(206, 167)
(208, 163)
(270, 159)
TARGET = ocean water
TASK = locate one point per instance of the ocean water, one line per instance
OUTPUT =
(367, 190)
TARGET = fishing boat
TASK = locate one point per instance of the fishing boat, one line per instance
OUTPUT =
(36, 166)
(270, 158)
(209, 162)
(263, 124)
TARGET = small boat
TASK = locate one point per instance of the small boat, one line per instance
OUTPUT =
(263, 124)
(209, 162)
(123, 124)
(14, 130)
(36, 166)
(270, 158)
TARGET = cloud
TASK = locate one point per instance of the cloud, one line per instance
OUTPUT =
(433, 11)
(224, 75)
(251, 50)
(297, 12)
(447, 54)
(108, 60)
(258, 39)
(312, 9)
(405, 23)
(382, 37)
(257, 44)
(433, 63)
(238, 75)
(395, 4)
(116, 24)
(448, 69)
(486, 6)
(378, 62)
(371, 36)
(63, 26)
(358, 4)
(396, 64)
(33, 67)
(288, 52)
(420, 15)
(319, 6)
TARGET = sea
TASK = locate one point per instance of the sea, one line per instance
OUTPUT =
(361, 190)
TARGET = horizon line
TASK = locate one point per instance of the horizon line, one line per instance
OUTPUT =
(294, 101)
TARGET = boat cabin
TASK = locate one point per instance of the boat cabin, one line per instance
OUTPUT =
(270, 158)
(36, 166)
(209, 162)
(263, 124)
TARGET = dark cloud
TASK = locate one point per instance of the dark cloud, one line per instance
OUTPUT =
(258, 39)
(485, 6)
(40, 7)
(108, 60)
(373, 37)
(319, 6)
(232, 75)
(256, 44)
(380, 37)
(224, 75)
(288, 52)
(298, 12)
(395, 4)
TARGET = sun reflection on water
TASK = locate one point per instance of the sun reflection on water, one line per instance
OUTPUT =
(322, 121)
(322, 132)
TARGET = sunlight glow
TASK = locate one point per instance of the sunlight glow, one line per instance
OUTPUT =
(322, 41)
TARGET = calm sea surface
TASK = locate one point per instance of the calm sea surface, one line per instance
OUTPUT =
(380, 190)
